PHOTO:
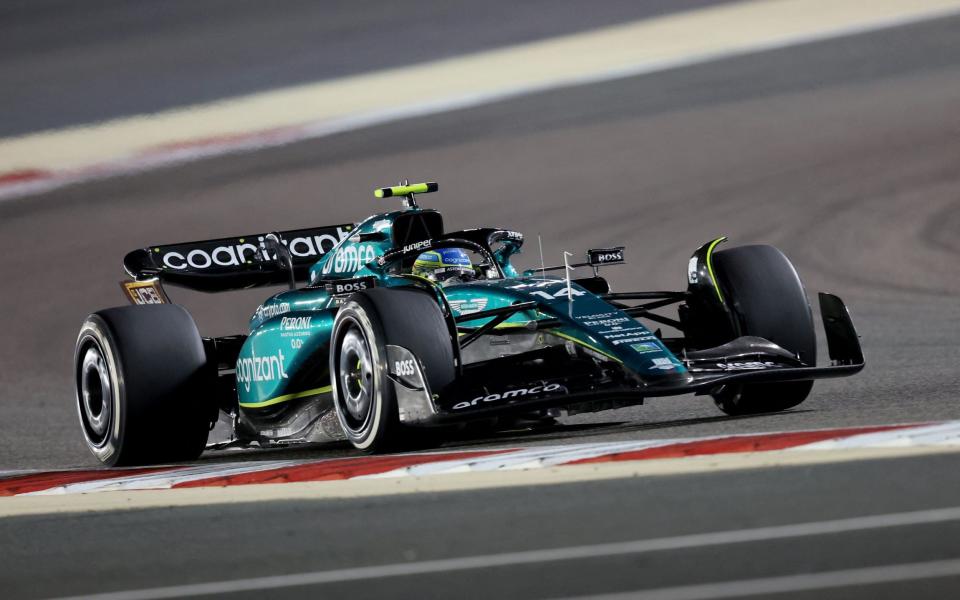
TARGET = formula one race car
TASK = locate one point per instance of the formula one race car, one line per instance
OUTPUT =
(395, 329)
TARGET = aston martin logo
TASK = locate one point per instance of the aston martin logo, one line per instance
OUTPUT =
(465, 307)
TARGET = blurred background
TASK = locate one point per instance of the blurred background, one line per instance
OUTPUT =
(821, 128)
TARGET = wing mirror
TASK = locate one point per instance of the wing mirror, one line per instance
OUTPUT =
(601, 257)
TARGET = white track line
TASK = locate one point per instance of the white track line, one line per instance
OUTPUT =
(791, 583)
(458, 482)
(506, 559)
(942, 434)
(530, 458)
(542, 457)
(551, 456)
(524, 459)
(166, 479)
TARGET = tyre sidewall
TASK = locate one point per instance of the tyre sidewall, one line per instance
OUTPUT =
(95, 332)
(406, 317)
(359, 311)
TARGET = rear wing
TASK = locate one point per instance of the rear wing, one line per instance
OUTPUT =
(233, 263)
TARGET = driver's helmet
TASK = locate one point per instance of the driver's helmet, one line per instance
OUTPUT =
(445, 266)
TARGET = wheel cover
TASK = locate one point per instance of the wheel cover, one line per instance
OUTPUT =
(355, 378)
(96, 395)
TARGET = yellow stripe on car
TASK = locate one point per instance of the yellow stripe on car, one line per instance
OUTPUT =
(713, 277)
(584, 344)
(406, 190)
(286, 397)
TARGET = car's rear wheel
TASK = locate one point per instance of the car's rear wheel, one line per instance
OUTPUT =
(767, 299)
(143, 386)
(364, 397)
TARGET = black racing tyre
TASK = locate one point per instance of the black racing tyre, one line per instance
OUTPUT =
(144, 387)
(768, 300)
(364, 397)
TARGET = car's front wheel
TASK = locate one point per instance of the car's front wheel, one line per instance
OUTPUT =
(768, 300)
(364, 396)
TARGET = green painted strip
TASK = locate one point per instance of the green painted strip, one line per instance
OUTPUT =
(713, 278)
(286, 397)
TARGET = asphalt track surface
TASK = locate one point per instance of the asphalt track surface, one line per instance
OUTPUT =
(66, 63)
(842, 153)
(139, 549)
